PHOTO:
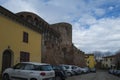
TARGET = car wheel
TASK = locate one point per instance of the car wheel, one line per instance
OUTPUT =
(58, 78)
(5, 77)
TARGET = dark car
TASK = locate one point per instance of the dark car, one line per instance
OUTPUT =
(60, 73)
(118, 73)
(93, 70)
(111, 71)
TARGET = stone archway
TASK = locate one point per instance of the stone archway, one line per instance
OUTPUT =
(7, 59)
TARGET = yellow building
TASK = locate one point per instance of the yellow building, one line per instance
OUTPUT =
(90, 60)
(19, 40)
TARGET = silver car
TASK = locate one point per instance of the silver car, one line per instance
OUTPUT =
(68, 69)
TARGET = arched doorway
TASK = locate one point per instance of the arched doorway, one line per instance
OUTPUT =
(6, 59)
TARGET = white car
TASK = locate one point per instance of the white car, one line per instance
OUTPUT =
(68, 69)
(84, 70)
(29, 71)
(77, 70)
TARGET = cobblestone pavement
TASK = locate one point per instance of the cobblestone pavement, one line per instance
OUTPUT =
(99, 75)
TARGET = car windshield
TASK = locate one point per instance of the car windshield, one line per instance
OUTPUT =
(19, 66)
(43, 67)
(56, 67)
(66, 67)
(62, 67)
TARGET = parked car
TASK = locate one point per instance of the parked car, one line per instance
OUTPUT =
(29, 71)
(114, 72)
(60, 73)
(69, 69)
(84, 70)
(111, 71)
(92, 69)
(77, 70)
(117, 72)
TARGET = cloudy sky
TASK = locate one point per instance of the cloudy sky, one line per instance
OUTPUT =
(95, 23)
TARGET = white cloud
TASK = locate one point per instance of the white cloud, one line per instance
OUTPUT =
(99, 12)
(102, 36)
(87, 20)
(89, 34)
(54, 11)
(18, 5)
(111, 8)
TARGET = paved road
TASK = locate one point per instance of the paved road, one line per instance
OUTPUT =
(99, 75)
